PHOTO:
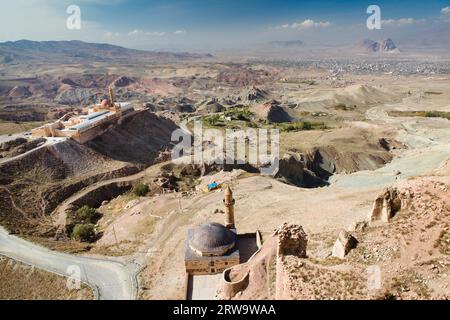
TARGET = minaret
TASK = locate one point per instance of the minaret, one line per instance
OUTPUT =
(229, 208)
(112, 99)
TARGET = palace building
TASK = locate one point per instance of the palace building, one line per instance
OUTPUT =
(85, 127)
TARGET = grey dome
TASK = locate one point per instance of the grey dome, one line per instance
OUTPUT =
(212, 239)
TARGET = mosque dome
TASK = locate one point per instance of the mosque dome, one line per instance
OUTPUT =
(212, 239)
(105, 103)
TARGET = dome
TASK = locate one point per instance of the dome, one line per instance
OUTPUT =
(105, 103)
(212, 239)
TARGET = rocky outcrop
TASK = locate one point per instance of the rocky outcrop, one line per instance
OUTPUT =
(388, 45)
(23, 147)
(272, 112)
(385, 45)
(210, 106)
(358, 226)
(300, 170)
(73, 96)
(311, 168)
(344, 243)
(19, 92)
(122, 82)
(8, 145)
(200, 170)
(167, 180)
(388, 203)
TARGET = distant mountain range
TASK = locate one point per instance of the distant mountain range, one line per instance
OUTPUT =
(370, 46)
(78, 51)
(286, 44)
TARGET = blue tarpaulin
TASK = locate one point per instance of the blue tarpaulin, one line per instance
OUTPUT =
(212, 185)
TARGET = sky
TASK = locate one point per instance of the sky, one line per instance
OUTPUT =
(208, 25)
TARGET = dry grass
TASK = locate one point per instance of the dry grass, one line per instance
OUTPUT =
(10, 127)
(22, 282)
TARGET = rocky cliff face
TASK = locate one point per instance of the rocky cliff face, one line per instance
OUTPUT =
(312, 168)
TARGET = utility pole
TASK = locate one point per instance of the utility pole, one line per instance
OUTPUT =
(179, 203)
(115, 236)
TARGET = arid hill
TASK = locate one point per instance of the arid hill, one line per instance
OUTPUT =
(33, 184)
(65, 51)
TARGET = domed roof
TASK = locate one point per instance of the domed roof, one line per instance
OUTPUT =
(105, 103)
(212, 239)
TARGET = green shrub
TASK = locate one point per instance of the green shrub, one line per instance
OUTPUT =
(84, 232)
(438, 114)
(212, 121)
(86, 214)
(140, 190)
(301, 125)
(239, 113)
(344, 107)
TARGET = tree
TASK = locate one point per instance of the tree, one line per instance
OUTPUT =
(141, 190)
(86, 214)
(84, 232)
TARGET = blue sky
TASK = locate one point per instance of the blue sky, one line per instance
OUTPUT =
(191, 24)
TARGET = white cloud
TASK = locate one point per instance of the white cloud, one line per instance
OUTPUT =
(138, 32)
(445, 10)
(306, 24)
(110, 34)
(135, 32)
(401, 22)
(180, 32)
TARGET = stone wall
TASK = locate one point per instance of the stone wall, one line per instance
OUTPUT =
(230, 288)
(292, 240)
(210, 266)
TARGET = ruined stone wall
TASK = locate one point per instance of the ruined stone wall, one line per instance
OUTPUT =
(292, 240)
(282, 288)
(230, 288)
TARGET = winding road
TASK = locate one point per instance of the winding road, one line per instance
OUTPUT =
(110, 280)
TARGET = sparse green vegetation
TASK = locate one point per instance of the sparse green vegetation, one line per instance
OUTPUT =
(344, 107)
(239, 113)
(300, 126)
(141, 190)
(212, 121)
(86, 214)
(425, 114)
(80, 221)
(438, 114)
(309, 82)
(84, 232)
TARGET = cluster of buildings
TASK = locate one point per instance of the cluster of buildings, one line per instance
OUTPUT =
(85, 127)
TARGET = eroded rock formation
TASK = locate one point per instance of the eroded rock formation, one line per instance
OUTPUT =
(344, 243)
(389, 203)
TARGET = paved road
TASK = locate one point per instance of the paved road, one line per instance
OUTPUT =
(111, 280)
